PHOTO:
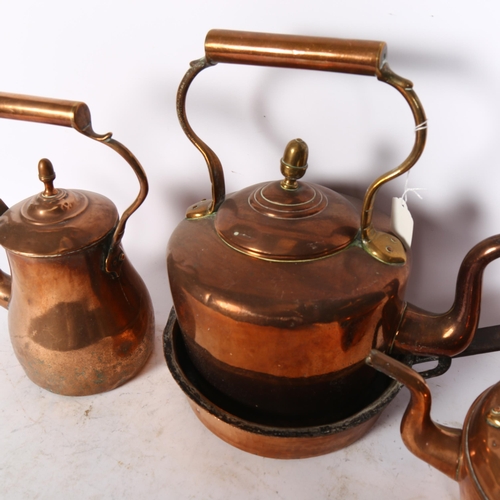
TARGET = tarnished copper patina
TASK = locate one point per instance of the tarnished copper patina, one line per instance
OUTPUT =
(282, 289)
(244, 426)
(80, 317)
(470, 455)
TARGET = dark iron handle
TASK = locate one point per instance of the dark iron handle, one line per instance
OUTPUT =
(486, 339)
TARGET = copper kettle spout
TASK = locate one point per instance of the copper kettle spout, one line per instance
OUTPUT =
(288, 270)
(437, 445)
(450, 333)
(469, 455)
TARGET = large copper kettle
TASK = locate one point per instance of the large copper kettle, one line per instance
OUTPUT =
(282, 289)
(80, 317)
(470, 455)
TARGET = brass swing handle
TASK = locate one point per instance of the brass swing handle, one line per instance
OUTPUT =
(307, 52)
(77, 115)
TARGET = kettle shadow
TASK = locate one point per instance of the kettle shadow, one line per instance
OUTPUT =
(440, 242)
(156, 360)
(438, 249)
(436, 63)
(444, 62)
(178, 201)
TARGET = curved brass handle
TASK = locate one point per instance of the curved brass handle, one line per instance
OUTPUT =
(77, 115)
(306, 52)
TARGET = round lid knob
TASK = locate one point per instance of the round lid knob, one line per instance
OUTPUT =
(47, 175)
(52, 205)
(287, 220)
(56, 221)
(294, 163)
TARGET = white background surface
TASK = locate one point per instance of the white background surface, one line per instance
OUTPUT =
(125, 60)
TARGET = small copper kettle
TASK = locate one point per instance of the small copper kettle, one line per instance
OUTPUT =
(282, 289)
(470, 455)
(80, 317)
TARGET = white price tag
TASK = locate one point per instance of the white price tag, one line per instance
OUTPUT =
(402, 221)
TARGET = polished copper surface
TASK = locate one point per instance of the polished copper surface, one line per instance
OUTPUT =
(50, 225)
(268, 222)
(362, 57)
(329, 54)
(80, 317)
(46, 110)
(294, 333)
(470, 456)
(451, 332)
(77, 115)
(76, 329)
(287, 220)
(244, 428)
(281, 290)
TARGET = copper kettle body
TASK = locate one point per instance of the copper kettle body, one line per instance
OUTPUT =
(80, 317)
(281, 290)
(470, 456)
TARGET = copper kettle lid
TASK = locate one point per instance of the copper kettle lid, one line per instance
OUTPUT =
(287, 220)
(56, 221)
(482, 441)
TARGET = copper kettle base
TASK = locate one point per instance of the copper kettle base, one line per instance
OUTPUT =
(257, 438)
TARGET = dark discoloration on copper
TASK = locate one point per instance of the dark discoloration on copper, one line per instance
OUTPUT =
(288, 284)
(302, 322)
(240, 426)
(306, 319)
(74, 319)
(110, 306)
(290, 401)
(80, 317)
(76, 329)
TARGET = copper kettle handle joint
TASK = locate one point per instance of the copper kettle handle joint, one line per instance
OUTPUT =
(77, 115)
(305, 52)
